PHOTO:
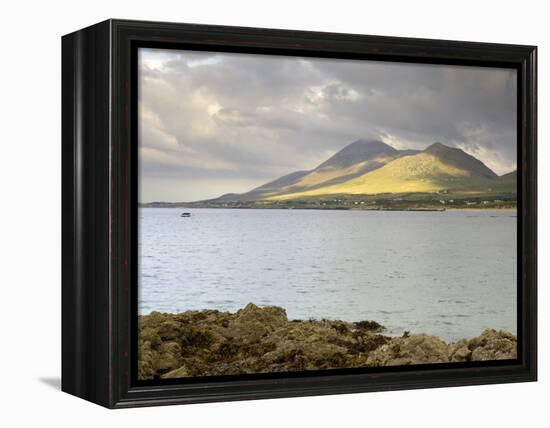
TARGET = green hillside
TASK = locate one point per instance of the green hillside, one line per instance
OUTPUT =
(369, 174)
(504, 185)
(435, 169)
(352, 161)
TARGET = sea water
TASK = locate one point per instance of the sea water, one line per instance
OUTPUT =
(451, 274)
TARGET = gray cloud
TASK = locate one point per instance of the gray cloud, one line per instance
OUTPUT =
(215, 123)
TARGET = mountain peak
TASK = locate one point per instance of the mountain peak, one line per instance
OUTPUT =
(369, 166)
(438, 147)
(460, 159)
(358, 151)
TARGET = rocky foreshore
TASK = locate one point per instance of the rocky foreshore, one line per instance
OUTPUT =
(263, 340)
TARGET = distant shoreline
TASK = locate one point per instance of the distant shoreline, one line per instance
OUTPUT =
(320, 208)
(483, 209)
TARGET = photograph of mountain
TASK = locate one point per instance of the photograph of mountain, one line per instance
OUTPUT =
(301, 214)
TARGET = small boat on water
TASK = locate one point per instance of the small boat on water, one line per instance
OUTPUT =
(185, 215)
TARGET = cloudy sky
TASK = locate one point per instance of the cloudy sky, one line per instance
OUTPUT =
(213, 123)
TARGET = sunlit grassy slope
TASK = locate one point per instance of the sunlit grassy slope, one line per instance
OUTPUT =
(328, 174)
(371, 168)
(350, 162)
(423, 172)
(505, 184)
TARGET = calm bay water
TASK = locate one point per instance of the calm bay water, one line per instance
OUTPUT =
(451, 274)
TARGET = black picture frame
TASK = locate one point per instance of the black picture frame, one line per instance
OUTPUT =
(99, 212)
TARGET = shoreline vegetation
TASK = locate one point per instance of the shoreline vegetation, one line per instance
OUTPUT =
(433, 208)
(359, 202)
(263, 340)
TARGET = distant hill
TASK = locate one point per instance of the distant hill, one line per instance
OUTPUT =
(352, 161)
(372, 172)
(436, 168)
(460, 159)
(360, 150)
(266, 189)
(511, 177)
(503, 185)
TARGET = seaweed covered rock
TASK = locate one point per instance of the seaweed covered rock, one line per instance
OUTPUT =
(269, 315)
(252, 340)
(490, 345)
(262, 339)
(410, 349)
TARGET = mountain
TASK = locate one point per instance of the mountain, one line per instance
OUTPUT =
(360, 150)
(503, 185)
(511, 177)
(507, 183)
(371, 167)
(434, 169)
(265, 189)
(352, 161)
(460, 159)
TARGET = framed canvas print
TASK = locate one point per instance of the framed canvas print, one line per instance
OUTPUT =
(252, 213)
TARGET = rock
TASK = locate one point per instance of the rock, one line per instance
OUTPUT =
(490, 345)
(168, 356)
(262, 340)
(369, 326)
(145, 360)
(301, 356)
(494, 345)
(460, 352)
(269, 315)
(413, 349)
(196, 336)
(169, 330)
(181, 372)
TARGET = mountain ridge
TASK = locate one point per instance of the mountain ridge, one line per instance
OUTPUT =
(372, 167)
(438, 167)
(353, 160)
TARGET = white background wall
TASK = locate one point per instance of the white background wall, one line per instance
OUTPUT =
(30, 211)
